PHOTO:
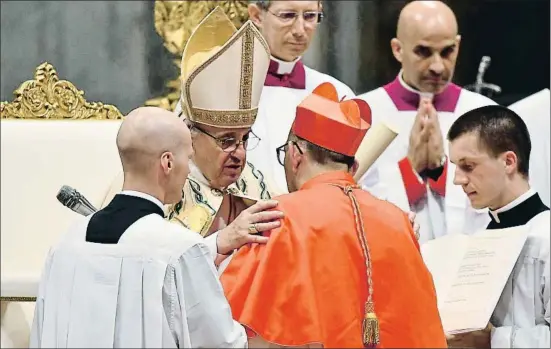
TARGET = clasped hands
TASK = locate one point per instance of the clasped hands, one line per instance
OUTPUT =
(251, 223)
(426, 148)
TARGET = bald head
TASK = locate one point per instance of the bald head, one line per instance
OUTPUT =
(426, 45)
(420, 19)
(147, 133)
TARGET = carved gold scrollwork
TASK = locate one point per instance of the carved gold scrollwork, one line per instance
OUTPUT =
(47, 97)
(175, 21)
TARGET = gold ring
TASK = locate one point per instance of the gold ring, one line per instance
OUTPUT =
(252, 229)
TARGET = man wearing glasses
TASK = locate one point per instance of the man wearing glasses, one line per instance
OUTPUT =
(344, 269)
(288, 27)
(222, 188)
(221, 184)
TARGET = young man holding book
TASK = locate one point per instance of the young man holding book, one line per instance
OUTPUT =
(490, 148)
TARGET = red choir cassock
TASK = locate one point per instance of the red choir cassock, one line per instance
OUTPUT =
(344, 269)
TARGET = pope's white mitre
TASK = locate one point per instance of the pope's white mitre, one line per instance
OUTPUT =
(223, 72)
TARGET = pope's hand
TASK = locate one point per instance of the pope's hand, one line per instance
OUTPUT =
(414, 224)
(255, 219)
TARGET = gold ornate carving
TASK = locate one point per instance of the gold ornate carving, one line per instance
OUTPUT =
(47, 97)
(175, 21)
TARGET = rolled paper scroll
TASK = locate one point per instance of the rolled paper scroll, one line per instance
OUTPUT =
(375, 142)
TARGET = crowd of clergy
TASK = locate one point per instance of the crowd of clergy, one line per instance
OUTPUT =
(244, 218)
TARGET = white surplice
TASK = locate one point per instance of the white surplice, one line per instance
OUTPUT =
(157, 287)
(436, 215)
(536, 113)
(522, 315)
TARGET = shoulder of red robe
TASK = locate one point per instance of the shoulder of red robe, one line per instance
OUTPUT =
(339, 126)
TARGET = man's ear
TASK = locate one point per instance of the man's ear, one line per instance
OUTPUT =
(396, 47)
(354, 168)
(255, 14)
(457, 43)
(167, 162)
(295, 156)
(510, 161)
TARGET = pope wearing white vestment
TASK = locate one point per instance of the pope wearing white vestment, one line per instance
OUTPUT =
(220, 105)
(126, 276)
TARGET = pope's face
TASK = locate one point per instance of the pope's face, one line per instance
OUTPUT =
(221, 167)
(287, 37)
(289, 174)
(482, 176)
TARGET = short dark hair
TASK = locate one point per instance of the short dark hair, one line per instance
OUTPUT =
(324, 156)
(499, 130)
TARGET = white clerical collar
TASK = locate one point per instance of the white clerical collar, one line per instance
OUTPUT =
(411, 89)
(285, 67)
(512, 204)
(145, 196)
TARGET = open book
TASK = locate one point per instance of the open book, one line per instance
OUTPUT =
(470, 273)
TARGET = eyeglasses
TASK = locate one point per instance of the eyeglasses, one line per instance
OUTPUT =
(289, 17)
(280, 152)
(230, 144)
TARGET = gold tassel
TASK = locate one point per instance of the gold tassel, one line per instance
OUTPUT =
(370, 327)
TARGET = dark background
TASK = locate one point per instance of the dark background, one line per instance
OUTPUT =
(514, 33)
(111, 51)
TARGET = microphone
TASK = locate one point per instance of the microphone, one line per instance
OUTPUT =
(72, 199)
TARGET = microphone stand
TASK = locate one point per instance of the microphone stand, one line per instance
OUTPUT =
(479, 86)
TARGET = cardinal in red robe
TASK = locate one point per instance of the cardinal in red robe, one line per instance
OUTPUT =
(344, 268)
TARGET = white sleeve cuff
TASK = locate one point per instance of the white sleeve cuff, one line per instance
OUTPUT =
(210, 241)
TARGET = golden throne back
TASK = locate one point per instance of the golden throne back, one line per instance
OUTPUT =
(50, 137)
(175, 21)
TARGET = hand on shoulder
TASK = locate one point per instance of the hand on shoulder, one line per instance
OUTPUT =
(256, 219)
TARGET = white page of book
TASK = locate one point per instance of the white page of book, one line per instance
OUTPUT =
(470, 272)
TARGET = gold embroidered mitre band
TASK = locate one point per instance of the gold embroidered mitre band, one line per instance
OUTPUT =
(223, 71)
